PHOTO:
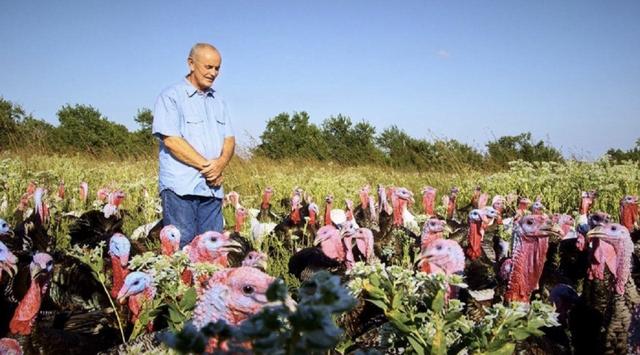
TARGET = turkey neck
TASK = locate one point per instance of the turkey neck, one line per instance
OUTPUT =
(427, 204)
(451, 207)
(28, 308)
(327, 213)
(475, 240)
(528, 263)
(628, 216)
(295, 215)
(398, 207)
(119, 273)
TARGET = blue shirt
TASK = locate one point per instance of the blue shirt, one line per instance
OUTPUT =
(200, 118)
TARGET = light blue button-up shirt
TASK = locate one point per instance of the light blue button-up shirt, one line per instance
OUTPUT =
(202, 119)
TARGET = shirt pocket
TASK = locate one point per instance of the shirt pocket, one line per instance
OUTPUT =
(194, 127)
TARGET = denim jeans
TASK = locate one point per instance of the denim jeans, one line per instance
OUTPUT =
(192, 215)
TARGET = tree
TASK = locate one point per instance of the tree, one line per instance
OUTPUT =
(142, 138)
(144, 118)
(619, 155)
(83, 127)
(11, 115)
(401, 150)
(451, 154)
(292, 137)
(509, 148)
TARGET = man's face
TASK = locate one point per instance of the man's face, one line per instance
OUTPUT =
(204, 67)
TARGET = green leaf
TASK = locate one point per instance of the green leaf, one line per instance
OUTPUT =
(438, 302)
(189, 298)
(398, 296)
(379, 304)
(521, 334)
(399, 320)
(506, 349)
(174, 315)
(415, 345)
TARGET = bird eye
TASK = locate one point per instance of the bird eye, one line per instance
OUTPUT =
(247, 290)
(614, 228)
(214, 239)
(136, 283)
(50, 262)
(529, 222)
(439, 247)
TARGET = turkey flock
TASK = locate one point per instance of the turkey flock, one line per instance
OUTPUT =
(508, 249)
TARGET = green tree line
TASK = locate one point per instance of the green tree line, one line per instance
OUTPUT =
(82, 128)
(337, 139)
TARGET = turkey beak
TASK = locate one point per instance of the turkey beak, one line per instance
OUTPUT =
(557, 229)
(122, 295)
(233, 246)
(36, 270)
(597, 232)
(319, 241)
(550, 230)
(124, 260)
(11, 269)
(447, 229)
(421, 260)
(261, 264)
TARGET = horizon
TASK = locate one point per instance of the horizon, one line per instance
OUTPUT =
(567, 72)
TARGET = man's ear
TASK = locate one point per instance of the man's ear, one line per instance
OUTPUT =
(191, 63)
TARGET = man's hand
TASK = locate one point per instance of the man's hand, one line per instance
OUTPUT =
(211, 170)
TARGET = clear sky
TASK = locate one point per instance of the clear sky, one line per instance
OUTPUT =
(568, 71)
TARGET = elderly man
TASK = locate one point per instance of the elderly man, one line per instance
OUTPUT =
(196, 143)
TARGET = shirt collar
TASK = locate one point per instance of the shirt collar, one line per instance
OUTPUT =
(190, 90)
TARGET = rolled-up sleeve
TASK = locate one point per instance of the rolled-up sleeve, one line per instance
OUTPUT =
(166, 119)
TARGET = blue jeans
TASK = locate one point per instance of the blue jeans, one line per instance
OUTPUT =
(192, 215)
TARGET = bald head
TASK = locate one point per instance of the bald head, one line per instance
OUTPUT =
(199, 48)
(204, 63)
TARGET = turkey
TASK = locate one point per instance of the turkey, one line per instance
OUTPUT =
(32, 233)
(429, 200)
(236, 255)
(266, 215)
(10, 346)
(610, 299)
(364, 212)
(6, 233)
(209, 247)
(328, 253)
(327, 210)
(629, 212)
(119, 249)
(137, 290)
(256, 260)
(390, 241)
(232, 295)
(358, 246)
(8, 262)
(433, 229)
(28, 289)
(531, 241)
(95, 226)
(292, 226)
(442, 256)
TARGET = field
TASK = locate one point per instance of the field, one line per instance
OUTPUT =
(558, 185)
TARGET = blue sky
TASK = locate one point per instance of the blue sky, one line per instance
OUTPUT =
(568, 71)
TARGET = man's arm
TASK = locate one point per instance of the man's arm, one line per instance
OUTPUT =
(183, 151)
(212, 169)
